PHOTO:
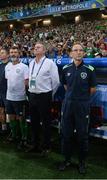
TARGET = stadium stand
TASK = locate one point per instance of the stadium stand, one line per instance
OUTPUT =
(59, 39)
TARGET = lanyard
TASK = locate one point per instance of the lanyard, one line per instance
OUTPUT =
(39, 67)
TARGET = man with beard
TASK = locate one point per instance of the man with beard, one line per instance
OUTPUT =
(16, 74)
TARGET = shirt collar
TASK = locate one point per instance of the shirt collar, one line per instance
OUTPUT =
(41, 59)
(79, 64)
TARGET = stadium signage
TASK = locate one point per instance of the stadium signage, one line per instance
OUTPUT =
(53, 10)
(93, 4)
(68, 8)
(79, 6)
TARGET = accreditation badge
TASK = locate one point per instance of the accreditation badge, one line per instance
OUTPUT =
(33, 82)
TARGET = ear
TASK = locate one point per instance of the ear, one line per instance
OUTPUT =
(84, 53)
(70, 54)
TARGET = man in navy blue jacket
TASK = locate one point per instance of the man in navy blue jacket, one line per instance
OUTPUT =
(79, 81)
(4, 57)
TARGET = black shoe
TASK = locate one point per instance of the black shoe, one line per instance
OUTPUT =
(10, 140)
(45, 152)
(33, 149)
(82, 168)
(64, 165)
(30, 149)
(22, 145)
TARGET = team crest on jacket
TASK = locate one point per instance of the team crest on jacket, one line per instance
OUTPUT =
(83, 75)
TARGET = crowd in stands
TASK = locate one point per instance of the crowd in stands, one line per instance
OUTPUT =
(59, 39)
(36, 5)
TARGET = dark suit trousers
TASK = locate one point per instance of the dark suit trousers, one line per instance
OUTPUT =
(40, 111)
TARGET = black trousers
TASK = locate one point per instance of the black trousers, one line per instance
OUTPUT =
(40, 111)
(75, 115)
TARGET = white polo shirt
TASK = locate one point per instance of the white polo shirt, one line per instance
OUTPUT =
(16, 75)
(45, 74)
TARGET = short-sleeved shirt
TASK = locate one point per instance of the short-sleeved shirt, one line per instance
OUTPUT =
(78, 80)
(16, 76)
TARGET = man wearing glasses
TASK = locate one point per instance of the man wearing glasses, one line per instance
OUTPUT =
(79, 81)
